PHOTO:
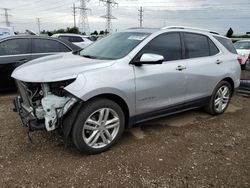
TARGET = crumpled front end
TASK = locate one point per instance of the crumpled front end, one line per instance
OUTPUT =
(43, 105)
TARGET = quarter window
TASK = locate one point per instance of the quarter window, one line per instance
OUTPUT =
(213, 49)
(167, 45)
(15, 47)
(227, 43)
(48, 46)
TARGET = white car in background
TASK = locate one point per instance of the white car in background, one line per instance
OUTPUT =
(6, 32)
(80, 40)
(243, 49)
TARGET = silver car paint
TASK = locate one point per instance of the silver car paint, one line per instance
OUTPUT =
(145, 88)
(56, 68)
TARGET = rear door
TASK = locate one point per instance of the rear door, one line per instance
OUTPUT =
(13, 53)
(204, 65)
(43, 47)
(161, 85)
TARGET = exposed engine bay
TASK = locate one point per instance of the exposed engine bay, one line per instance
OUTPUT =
(44, 103)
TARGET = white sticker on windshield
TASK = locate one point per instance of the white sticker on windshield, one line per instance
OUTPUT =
(137, 37)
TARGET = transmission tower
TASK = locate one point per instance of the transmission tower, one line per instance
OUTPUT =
(74, 14)
(83, 18)
(39, 25)
(141, 16)
(109, 4)
(6, 15)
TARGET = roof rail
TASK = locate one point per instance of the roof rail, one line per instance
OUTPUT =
(191, 28)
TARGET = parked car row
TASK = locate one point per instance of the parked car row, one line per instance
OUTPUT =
(17, 50)
(243, 49)
(79, 40)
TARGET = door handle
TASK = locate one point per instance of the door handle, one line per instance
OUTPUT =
(181, 67)
(219, 62)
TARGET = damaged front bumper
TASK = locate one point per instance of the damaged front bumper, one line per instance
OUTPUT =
(48, 112)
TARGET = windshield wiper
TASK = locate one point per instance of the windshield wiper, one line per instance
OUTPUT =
(89, 56)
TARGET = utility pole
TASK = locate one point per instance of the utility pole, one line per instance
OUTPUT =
(109, 4)
(6, 15)
(74, 13)
(39, 25)
(141, 16)
(83, 18)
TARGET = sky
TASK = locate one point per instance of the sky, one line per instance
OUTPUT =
(217, 15)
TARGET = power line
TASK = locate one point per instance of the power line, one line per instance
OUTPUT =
(83, 17)
(109, 4)
(141, 16)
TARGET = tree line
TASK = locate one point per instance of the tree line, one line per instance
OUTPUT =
(74, 30)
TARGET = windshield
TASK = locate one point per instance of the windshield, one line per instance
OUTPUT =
(242, 45)
(115, 46)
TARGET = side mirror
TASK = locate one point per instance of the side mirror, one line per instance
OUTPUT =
(148, 58)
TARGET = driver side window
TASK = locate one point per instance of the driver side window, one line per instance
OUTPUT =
(168, 45)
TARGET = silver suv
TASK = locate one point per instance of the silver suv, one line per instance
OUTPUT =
(126, 78)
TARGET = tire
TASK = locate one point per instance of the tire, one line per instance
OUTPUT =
(222, 104)
(243, 67)
(99, 125)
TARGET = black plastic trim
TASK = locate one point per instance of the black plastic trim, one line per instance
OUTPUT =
(169, 111)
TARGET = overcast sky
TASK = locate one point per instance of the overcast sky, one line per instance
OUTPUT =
(216, 15)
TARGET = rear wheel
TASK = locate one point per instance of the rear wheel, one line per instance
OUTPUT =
(99, 125)
(220, 98)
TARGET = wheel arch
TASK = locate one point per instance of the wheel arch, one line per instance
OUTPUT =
(70, 117)
(230, 81)
(117, 99)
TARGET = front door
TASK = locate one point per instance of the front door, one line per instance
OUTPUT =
(161, 85)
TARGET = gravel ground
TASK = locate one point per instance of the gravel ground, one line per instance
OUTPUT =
(191, 149)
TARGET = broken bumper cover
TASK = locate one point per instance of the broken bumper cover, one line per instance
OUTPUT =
(27, 116)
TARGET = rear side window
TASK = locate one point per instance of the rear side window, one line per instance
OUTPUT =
(48, 46)
(227, 43)
(167, 45)
(76, 39)
(72, 38)
(196, 45)
(15, 47)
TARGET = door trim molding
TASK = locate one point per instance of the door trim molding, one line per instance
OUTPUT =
(174, 109)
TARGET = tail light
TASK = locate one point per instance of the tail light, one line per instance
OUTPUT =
(240, 60)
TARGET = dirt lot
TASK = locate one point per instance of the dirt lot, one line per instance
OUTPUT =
(191, 149)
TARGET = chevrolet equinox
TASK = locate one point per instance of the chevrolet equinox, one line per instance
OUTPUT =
(126, 78)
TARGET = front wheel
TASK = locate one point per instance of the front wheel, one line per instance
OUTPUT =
(220, 98)
(99, 125)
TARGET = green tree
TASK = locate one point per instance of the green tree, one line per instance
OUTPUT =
(94, 33)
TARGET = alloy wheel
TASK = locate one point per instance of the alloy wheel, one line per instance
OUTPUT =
(222, 98)
(101, 128)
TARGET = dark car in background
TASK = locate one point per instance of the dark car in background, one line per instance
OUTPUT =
(17, 50)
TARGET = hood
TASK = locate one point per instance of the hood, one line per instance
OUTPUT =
(57, 68)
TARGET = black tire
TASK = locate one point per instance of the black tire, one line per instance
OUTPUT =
(243, 67)
(89, 108)
(210, 108)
